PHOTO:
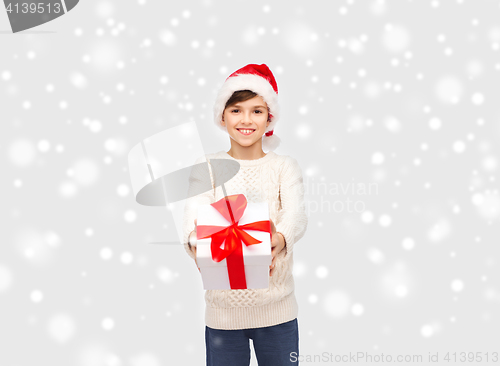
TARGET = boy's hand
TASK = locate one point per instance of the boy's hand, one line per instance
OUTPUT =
(277, 245)
(193, 248)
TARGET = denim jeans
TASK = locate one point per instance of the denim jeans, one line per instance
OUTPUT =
(273, 345)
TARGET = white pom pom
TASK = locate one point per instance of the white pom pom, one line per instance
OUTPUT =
(270, 143)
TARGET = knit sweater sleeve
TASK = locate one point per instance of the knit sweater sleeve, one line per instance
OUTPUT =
(200, 191)
(292, 219)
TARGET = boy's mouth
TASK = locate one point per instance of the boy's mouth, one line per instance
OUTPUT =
(246, 132)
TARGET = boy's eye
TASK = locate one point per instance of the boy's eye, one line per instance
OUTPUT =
(236, 110)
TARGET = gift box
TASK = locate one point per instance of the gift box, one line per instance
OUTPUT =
(234, 244)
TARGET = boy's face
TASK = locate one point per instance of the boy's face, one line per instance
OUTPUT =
(251, 114)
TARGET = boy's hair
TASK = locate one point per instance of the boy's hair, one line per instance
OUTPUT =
(241, 96)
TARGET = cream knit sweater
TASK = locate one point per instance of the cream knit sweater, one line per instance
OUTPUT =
(276, 179)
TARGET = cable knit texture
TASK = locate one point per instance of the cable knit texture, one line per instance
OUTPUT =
(278, 180)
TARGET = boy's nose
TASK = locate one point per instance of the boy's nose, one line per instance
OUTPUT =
(246, 117)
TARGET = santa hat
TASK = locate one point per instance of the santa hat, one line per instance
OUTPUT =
(260, 80)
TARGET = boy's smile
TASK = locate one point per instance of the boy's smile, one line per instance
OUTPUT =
(245, 132)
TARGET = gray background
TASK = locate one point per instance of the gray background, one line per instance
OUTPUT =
(396, 97)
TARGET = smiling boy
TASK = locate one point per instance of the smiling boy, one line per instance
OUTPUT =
(247, 109)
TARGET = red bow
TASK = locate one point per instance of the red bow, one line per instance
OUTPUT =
(232, 208)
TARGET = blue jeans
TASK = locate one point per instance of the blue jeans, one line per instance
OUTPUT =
(273, 345)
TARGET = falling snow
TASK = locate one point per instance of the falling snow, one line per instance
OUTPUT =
(389, 107)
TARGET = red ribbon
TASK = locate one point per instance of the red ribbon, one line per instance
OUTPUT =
(232, 208)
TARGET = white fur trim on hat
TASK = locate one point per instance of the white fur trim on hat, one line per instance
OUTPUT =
(270, 143)
(252, 82)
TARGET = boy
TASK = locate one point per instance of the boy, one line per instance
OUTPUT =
(247, 108)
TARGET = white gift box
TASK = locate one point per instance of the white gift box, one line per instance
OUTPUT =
(257, 257)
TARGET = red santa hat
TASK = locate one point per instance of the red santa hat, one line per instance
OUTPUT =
(260, 80)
